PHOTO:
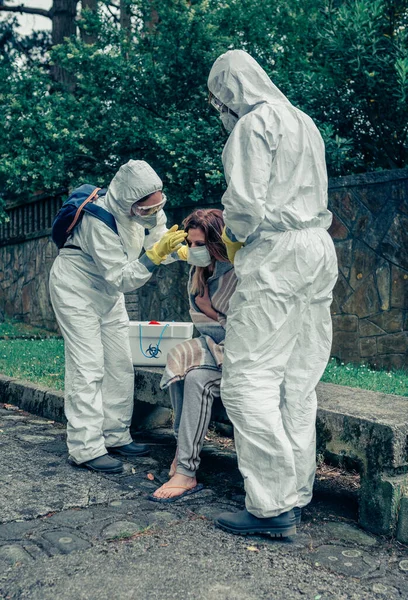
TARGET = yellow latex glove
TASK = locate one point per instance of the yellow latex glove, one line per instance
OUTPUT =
(183, 252)
(170, 242)
(232, 247)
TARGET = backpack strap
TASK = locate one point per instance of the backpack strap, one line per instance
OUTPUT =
(90, 198)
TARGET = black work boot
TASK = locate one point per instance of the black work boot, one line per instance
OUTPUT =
(101, 464)
(244, 523)
(131, 449)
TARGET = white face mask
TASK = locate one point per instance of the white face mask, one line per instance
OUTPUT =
(199, 256)
(148, 222)
(228, 120)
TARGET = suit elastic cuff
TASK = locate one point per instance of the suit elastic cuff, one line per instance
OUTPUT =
(146, 262)
(230, 235)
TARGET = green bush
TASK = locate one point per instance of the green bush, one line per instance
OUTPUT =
(142, 93)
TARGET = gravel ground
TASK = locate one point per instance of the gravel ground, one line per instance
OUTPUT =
(71, 534)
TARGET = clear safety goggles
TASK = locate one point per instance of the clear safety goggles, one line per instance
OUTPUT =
(146, 211)
(217, 104)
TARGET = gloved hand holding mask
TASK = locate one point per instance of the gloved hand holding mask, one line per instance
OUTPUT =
(170, 242)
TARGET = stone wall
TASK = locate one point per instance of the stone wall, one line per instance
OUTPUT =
(370, 308)
(370, 230)
(24, 275)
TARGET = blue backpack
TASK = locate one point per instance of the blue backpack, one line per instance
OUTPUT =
(72, 211)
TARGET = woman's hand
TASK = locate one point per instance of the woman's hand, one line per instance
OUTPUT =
(204, 304)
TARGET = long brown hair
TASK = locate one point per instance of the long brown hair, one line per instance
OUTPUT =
(211, 222)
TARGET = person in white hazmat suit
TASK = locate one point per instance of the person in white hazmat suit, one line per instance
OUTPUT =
(87, 283)
(279, 330)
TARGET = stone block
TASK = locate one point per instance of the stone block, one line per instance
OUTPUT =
(342, 291)
(4, 385)
(147, 389)
(368, 347)
(383, 275)
(370, 425)
(394, 246)
(402, 525)
(157, 418)
(363, 264)
(391, 361)
(368, 329)
(374, 198)
(399, 288)
(390, 321)
(344, 206)
(52, 406)
(345, 346)
(379, 504)
(396, 343)
(18, 389)
(365, 300)
(343, 250)
(345, 323)
(338, 230)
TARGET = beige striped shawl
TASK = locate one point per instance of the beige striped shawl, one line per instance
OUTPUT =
(206, 351)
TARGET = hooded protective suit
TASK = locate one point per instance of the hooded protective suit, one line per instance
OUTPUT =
(86, 287)
(279, 332)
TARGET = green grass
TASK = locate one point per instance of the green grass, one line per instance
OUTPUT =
(362, 376)
(42, 361)
(10, 330)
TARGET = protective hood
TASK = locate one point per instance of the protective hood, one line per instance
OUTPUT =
(134, 180)
(241, 84)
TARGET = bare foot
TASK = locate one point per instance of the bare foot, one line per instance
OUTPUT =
(176, 486)
(173, 466)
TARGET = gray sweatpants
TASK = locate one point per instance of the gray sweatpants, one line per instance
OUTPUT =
(192, 400)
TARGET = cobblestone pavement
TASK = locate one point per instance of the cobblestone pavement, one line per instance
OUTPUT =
(67, 533)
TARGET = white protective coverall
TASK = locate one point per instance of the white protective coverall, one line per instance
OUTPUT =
(86, 288)
(279, 330)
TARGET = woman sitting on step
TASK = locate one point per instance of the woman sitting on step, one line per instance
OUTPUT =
(193, 370)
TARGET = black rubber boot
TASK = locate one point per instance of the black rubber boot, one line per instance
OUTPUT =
(131, 449)
(244, 523)
(102, 464)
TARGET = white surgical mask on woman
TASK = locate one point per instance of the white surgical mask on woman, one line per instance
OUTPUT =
(199, 256)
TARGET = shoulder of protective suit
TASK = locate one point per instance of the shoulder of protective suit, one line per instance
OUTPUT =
(93, 229)
(262, 121)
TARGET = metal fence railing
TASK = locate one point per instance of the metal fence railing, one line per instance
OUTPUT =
(30, 220)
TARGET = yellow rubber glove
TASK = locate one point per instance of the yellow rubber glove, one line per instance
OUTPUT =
(183, 252)
(170, 242)
(232, 247)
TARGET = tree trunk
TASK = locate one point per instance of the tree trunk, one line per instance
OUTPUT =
(63, 14)
(64, 25)
(125, 15)
(91, 6)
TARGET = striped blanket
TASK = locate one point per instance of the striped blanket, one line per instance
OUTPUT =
(206, 351)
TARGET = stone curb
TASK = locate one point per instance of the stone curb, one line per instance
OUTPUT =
(39, 400)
